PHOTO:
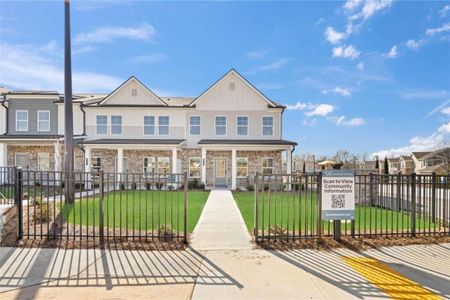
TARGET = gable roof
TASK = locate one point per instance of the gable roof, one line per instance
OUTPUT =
(132, 78)
(270, 103)
(419, 155)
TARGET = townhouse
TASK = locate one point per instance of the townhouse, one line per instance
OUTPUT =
(220, 138)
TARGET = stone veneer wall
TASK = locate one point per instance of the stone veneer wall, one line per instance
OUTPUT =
(210, 166)
(136, 158)
(255, 164)
(184, 156)
(32, 152)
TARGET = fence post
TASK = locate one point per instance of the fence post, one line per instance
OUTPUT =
(371, 188)
(185, 238)
(101, 196)
(255, 229)
(433, 197)
(413, 204)
(18, 181)
(319, 209)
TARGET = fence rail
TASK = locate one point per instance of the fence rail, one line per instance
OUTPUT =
(289, 206)
(112, 206)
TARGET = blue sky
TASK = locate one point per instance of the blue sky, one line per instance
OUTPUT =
(368, 76)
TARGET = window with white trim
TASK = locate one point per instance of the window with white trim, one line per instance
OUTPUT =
(163, 165)
(149, 125)
(242, 167)
(267, 125)
(22, 160)
(242, 125)
(116, 124)
(21, 120)
(149, 165)
(194, 125)
(43, 161)
(267, 166)
(221, 125)
(102, 124)
(163, 125)
(96, 164)
(195, 167)
(43, 117)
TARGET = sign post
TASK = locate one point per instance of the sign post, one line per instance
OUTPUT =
(338, 197)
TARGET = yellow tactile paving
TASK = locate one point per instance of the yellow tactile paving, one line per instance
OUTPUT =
(388, 280)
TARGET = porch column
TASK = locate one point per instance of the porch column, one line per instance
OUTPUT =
(119, 165)
(204, 166)
(57, 158)
(3, 161)
(289, 166)
(174, 159)
(233, 168)
(87, 166)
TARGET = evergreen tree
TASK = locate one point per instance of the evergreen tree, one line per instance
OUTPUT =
(386, 166)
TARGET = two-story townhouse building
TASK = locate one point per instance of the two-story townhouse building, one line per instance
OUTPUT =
(419, 163)
(406, 165)
(228, 133)
(394, 165)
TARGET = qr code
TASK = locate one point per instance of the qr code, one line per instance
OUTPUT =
(338, 201)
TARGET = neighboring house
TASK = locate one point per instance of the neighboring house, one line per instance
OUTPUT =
(394, 165)
(435, 162)
(406, 165)
(229, 132)
(419, 163)
(369, 165)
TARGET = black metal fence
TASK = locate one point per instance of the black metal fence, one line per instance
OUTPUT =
(111, 206)
(7, 186)
(289, 206)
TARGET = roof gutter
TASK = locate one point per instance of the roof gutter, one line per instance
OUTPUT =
(84, 118)
(6, 108)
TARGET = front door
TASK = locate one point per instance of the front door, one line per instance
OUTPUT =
(221, 172)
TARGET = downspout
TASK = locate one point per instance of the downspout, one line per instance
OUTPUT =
(84, 118)
(6, 108)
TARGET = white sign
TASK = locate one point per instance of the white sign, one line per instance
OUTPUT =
(338, 195)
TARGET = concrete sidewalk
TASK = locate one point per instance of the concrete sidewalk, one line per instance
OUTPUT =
(221, 226)
(218, 274)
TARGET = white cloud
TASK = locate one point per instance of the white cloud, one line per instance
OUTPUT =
(321, 110)
(369, 8)
(310, 122)
(392, 53)
(299, 106)
(339, 91)
(346, 52)
(149, 59)
(443, 28)
(144, 32)
(258, 54)
(414, 45)
(424, 94)
(444, 128)
(35, 67)
(342, 121)
(443, 12)
(351, 5)
(333, 36)
(446, 110)
(360, 66)
(84, 49)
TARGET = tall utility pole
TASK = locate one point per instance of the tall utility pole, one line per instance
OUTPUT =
(68, 113)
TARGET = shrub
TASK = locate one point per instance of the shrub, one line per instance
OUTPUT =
(166, 233)
(148, 186)
(79, 186)
(159, 185)
(266, 186)
(201, 186)
(122, 186)
(43, 211)
(277, 231)
(37, 183)
(250, 187)
(193, 184)
(134, 186)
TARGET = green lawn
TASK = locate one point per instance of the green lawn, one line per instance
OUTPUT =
(139, 210)
(284, 216)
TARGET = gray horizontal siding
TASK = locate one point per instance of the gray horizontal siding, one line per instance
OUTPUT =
(32, 105)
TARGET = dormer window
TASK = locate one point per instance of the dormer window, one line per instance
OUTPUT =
(134, 92)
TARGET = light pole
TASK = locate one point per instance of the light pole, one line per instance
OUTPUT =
(68, 113)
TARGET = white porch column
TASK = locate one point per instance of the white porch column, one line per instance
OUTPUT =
(87, 166)
(119, 160)
(174, 159)
(233, 168)
(289, 166)
(57, 158)
(204, 166)
(3, 161)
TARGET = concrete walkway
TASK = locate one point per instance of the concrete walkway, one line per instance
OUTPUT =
(221, 226)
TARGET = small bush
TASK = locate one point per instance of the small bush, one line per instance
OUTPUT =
(277, 230)
(37, 183)
(201, 186)
(43, 211)
(266, 186)
(122, 186)
(148, 186)
(250, 187)
(193, 184)
(166, 233)
(79, 186)
(134, 186)
(159, 185)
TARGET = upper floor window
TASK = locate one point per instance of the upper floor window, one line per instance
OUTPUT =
(116, 124)
(163, 125)
(221, 125)
(267, 125)
(43, 120)
(149, 125)
(102, 124)
(242, 125)
(194, 125)
(22, 120)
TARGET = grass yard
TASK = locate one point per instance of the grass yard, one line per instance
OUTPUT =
(365, 217)
(139, 210)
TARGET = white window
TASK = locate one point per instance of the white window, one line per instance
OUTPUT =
(96, 164)
(194, 167)
(43, 161)
(194, 125)
(43, 117)
(134, 92)
(163, 125)
(163, 165)
(102, 124)
(267, 166)
(22, 160)
(242, 166)
(221, 125)
(149, 125)
(22, 120)
(116, 124)
(242, 125)
(267, 125)
(149, 165)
